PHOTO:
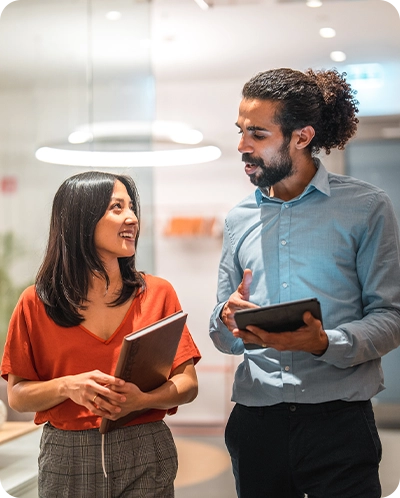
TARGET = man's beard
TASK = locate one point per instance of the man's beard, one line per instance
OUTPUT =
(279, 167)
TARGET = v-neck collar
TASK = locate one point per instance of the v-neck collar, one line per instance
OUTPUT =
(107, 341)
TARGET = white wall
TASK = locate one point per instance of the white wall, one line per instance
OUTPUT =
(208, 190)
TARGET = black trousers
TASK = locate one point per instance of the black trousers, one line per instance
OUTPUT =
(289, 450)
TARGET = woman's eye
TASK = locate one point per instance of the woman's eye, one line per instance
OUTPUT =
(117, 205)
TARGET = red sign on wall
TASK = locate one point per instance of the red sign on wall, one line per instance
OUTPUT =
(8, 184)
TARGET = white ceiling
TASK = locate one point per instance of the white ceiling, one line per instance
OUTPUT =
(47, 40)
(237, 37)
(234, 38)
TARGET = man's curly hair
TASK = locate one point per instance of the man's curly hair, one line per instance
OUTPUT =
(321, 99)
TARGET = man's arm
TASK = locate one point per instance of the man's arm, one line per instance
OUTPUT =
(377, 264)
(233, 294)
(378, 271)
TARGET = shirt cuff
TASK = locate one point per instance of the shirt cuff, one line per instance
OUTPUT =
(222, 337)
(334, 355)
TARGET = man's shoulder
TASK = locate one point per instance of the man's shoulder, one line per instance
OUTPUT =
(248, 203)
(349, 182)
(353, 194)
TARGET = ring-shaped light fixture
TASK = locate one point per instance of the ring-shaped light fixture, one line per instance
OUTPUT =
(87, 158)
(126, 144)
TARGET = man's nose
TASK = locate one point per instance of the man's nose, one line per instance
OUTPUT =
(245, 146)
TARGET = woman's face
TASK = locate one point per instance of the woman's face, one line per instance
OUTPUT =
(115, 233)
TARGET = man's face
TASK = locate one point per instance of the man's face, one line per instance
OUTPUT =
(265, 152)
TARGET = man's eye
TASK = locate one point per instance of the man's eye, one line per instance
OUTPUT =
(259, 137)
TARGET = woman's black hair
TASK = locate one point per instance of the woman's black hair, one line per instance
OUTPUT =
(71, 258)
(321, 99)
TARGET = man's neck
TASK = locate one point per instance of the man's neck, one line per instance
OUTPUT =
(292, 187)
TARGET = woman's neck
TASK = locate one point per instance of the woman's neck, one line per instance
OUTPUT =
(98, 288)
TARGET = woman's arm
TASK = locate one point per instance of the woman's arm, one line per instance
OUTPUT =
(181, 388)
(33, 396)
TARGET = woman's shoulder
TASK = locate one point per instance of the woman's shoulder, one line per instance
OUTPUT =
(29, 300)
(158, 288)
(154, 281)
(29, 303)
(157, 301)
(29, 295)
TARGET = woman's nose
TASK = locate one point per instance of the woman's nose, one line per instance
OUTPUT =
(131, 219)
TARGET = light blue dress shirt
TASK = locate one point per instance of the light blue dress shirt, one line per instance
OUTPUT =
(338, 241)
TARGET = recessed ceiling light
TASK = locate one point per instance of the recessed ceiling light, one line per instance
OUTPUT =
(338, 56)
(314, 3)
(327, 32)
(113, 15)
(202, 4)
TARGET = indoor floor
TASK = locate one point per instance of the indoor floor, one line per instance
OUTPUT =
(205, 471)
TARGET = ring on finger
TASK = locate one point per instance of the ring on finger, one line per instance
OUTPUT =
(94, 399)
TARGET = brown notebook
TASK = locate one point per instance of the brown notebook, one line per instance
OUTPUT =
(146, 358)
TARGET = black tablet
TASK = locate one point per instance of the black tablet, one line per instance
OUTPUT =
(282, 317)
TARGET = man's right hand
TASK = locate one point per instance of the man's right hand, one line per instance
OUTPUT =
(239, 300)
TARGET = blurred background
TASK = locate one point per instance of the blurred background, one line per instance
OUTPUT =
(151, 88)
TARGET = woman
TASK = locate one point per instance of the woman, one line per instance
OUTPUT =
(63, 343)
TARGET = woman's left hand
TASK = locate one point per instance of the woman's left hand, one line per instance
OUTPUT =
(179, 389)
(135, 400)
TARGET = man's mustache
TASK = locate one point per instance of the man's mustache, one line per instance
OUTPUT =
(249, 159)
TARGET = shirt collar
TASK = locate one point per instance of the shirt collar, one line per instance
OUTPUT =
(320, 181)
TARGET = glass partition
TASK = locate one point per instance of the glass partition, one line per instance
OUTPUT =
(63, 65)
(377, 162)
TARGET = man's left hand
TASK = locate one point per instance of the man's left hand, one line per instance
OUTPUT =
(310, 338)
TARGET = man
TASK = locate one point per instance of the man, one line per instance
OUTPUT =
(303, 422)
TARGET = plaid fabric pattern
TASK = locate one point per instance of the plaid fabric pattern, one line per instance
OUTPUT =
(140, 460)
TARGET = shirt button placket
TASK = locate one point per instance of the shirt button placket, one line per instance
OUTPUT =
(284, 252)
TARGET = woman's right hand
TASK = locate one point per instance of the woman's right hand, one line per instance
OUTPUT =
(32, 396)
(87, 388)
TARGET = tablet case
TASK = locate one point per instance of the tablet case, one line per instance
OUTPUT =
(281, 317)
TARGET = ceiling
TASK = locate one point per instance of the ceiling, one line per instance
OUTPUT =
(47, 41)
(236, 37)
(233, 38)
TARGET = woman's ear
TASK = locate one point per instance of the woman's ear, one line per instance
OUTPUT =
(304, 137)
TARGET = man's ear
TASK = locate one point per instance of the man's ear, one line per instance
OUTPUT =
(303, 137)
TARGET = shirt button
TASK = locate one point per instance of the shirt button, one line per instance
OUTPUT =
(292, 408)
(286, 206)
(283, 242)
(284, 285)
(287, 369)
